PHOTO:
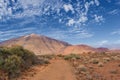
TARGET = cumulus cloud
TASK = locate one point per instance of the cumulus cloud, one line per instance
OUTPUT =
(26, 8)
(68, 7)
(4, 10)
(83, 19)
(87, 6)
(82, 12)
(59, 9)
(98, 18)
(71, 22)
(26, 4)
(97, 2)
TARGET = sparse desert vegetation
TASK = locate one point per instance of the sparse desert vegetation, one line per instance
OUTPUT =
(97, 66)
(91, 66)
(71, 57)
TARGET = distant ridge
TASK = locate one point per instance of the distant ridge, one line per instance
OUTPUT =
(79, 49)
(41, 45)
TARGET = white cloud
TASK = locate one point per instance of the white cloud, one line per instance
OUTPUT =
(70, 34)
(97, 2)
(82, 15)
(68, 7)
(116, 32)
(31, 8)
(114, 12)
(26, 4)
(98, 18)
(60, 20)
(82, 19)
(111, 45)
(8, 34)
(4, 10)
(84, 34)
(87, 6)
(102, 43)
(71, 22)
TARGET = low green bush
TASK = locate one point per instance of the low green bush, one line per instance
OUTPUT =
(60, 55)
(47, 56)
(71, 56)
(94, 60)
(12, 65)
(16, 59)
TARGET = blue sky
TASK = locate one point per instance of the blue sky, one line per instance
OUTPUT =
(92, 22)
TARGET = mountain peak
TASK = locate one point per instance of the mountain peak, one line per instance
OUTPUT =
(38, 44)
(32, 35)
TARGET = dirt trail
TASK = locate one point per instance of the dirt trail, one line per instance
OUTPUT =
(57, 70)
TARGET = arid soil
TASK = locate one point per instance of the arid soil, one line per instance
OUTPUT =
(104, 66)
(58, 70)
(97, 67)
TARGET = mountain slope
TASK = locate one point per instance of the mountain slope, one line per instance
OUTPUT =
(41, 45)
(102, 49)
(78, 49)
(38, 44)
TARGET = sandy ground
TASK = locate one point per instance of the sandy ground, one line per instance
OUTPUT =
(57, 70)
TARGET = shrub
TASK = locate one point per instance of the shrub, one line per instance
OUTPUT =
(12, 65)
(118, 65)
(71, 56)
(100, 64)
(47, 56)
(116, 58)
(94, 60)
(82, 68)
(113, 71)
(15, 59)
(67, 57)
(60, 55)
(106, 59)
(5, 52)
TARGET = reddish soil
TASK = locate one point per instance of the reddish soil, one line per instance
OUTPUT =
(57, 70)
(109, 70)
(84, 68)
